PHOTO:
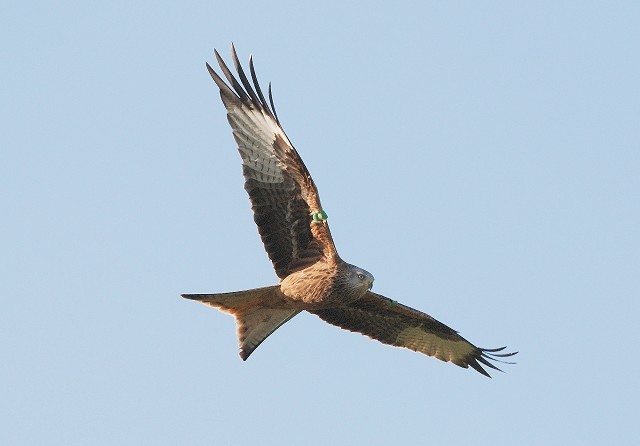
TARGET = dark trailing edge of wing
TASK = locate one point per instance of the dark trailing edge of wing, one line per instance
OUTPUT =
(243, 90)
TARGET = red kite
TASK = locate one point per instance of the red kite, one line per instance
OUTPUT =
(294, 229)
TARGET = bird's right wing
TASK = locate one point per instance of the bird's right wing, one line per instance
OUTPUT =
(395, 324)
(284, 198)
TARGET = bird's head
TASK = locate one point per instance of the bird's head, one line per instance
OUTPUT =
(359, 279)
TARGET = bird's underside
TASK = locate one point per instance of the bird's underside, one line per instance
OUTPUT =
(295, 232)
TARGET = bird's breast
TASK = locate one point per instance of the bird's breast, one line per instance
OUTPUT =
(312, 287)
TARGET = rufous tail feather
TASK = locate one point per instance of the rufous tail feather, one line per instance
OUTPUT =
(258, 312)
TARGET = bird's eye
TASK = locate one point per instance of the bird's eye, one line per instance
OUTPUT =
(360, 276)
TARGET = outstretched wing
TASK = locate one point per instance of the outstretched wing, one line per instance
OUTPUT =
(395, 324)
(285, 201)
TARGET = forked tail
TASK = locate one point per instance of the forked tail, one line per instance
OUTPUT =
(258, 312)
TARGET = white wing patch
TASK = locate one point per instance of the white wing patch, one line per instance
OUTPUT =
(417, 339)
(255, 134)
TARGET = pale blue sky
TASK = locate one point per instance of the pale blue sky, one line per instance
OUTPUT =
(481, 159)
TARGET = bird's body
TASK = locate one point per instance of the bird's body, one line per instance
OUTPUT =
(295, 232)
(324, 286)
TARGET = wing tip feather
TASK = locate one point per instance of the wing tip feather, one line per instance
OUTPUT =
(190, 296)
(251, 96)
(482, 356)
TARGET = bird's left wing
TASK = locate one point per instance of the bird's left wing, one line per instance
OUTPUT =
(284, 198)
(395, 324)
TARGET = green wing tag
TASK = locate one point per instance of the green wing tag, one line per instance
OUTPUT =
(319, 217)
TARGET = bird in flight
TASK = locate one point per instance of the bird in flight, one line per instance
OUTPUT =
(294, 229)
